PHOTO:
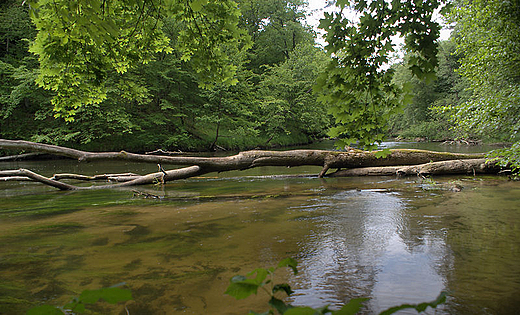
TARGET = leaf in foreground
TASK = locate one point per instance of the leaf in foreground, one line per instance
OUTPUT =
(418, 307)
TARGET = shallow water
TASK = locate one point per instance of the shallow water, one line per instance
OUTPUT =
(392, 240)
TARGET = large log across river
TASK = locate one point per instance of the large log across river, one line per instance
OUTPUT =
(350, 163)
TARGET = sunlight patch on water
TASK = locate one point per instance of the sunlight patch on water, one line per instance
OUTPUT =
(359, 252)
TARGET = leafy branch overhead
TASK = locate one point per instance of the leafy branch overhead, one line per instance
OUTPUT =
(80, 43)
(357, 84)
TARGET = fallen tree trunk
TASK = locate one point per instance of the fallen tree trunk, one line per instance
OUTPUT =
(255, 158)
(469, 166)
(354, 160)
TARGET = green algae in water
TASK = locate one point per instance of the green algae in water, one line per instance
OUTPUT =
(58, 202)
(63, 228)
(12, 296)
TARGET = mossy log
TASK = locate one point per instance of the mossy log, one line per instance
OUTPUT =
(354, 161)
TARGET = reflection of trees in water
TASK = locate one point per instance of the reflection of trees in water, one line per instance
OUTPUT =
(363, 249)
(423, 229)
(484, 235)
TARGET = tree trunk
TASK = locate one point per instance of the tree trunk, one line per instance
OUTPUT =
(469, 166)
(356, 161)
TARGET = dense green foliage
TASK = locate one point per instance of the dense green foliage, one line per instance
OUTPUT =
(488, 37)
(422, 116)
(81, 43)
(356, 86)
(147, 85)
(477, 91)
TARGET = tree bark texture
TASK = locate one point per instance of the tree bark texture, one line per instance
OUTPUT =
(466, 166)
(357, 163)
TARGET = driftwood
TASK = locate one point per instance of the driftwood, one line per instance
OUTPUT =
(357, 162)
(162, 152)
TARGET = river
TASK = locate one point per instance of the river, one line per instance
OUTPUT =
(393, 240)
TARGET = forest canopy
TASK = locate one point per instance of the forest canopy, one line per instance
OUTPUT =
(205, 75)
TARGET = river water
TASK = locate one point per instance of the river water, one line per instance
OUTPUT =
(393, 240)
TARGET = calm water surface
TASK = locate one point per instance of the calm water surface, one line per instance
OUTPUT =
(392, 240)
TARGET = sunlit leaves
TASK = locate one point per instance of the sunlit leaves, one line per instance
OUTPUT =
(285, 94)
(302, 310)
(206, 31)
(81, 43)
(276, 27)
(241, 287)
(510, 158)
(488, 38)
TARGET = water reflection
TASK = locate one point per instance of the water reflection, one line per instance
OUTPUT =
(360, 250)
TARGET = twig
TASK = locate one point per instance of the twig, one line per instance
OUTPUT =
(145, 195)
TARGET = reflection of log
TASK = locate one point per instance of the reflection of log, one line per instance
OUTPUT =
(20, 157)
(16, 179)
(110, 177)
(201, 165)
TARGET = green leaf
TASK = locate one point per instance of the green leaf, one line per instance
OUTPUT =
(418, 307)
(300, 310)
(261, 274)
(240, 289)
(196, 5)
(79, 308)
(44, 310)
(279, 305)
(283, 287)
(289, 262)
(352, 307)
(382, 153)
(342, 3)
(110, 295)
